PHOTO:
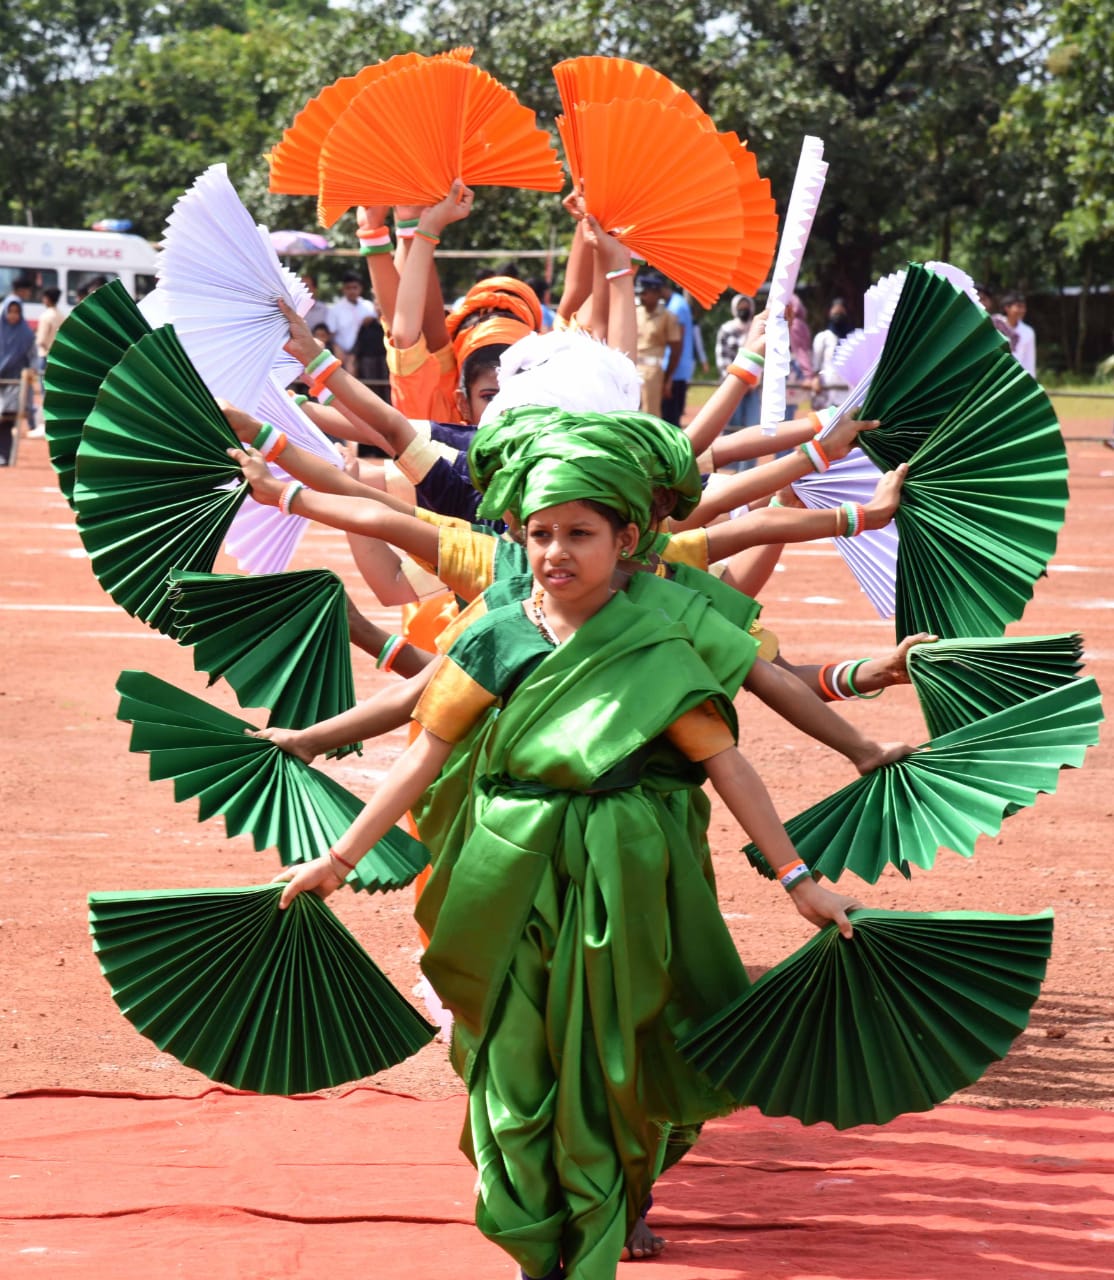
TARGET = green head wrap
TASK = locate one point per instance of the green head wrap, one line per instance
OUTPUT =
(532, 459)
(662, 452)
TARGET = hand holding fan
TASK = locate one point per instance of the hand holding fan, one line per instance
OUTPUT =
(261, 538)
(90, 340)
(949, 792)
(898, 1018)
(156, 489)
(872, 556)
(280, 640)
(275, 798)
(253, 997)
(961, 681)
(222, 280)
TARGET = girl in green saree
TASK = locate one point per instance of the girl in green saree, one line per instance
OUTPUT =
(572, 934)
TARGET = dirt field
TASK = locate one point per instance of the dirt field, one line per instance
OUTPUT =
(80, 814)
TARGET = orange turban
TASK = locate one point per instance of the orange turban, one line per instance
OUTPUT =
(498, 293)
(487, 333)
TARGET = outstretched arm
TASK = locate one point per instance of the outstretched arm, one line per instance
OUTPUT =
(742, 790)
(389, 709)
(715, 413)
(790, 524)
(414, 279)
(870, 675)
(792, 699)
(409, 777)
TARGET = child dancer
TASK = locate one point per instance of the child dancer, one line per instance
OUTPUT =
(572, 935)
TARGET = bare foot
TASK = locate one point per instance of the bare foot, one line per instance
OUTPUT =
(642, 1243)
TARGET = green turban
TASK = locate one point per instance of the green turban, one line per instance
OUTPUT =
(662, 452)
(529, 460)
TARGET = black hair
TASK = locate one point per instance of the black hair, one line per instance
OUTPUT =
(1010, 299)
(52, 295)
(24, 282)
(350, 277)
(480, 360)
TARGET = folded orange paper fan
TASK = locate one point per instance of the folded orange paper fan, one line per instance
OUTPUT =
(405, 137)
(756, 253)
(294, 161)
(597, 79)
(666, 187)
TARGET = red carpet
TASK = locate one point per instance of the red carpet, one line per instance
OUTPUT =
(371, 1185)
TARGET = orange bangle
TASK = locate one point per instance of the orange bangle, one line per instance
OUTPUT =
(318, 384)
(825, 688)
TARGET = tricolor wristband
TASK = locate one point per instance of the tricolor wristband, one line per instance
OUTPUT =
(377, 240)
(319, 361)
(788, 878)
(818, 459)
(286, 501)
(856, 519)
(405, 228)
(390, 651)
(619, 273)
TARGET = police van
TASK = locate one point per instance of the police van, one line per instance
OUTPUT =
(68, 260)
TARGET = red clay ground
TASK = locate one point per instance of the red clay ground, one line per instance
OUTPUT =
(80, 814)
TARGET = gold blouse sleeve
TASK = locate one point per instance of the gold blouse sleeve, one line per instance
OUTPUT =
(466, 561)
(700, 733)
(689, 547)
(768, 645)
(451, 703)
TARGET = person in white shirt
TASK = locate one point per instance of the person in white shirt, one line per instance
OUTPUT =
(348, 315)
(1025, 344)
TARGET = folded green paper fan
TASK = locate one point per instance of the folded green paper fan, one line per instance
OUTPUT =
(984, 500)
(277, 799)
(961, 681)
(90, 340)
(156, 489)
(896, 1019)
(254, 997)
(948, 792)
(279, 639)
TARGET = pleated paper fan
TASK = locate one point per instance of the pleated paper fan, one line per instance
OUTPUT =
(280, 640)
(252, 996)
(804, 199)
(756, 253)
(949, 792)
(665, 186)
(982, 507)
(872, 557)
(961, 681)
(222, 277)
(938, 345)
(596, 79)
(261, 538)
(914, 1007)
(90, 340)
(406, 136)
(294, 162)
(277, 799)
(156, 489)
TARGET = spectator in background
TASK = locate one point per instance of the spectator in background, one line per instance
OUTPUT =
(348, 315)
(659, 342)
(673, 403)
(824, 346)
(47, 329)
(17, 353)
(541, 287)
(1023, 340)
(802, 383)
(319, 312)
(89, 286)
(1000, 321)
(324, 335)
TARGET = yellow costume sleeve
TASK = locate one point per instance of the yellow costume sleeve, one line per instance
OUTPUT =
(466, 561)
(700, 733)
(689, 547)
(452, 703)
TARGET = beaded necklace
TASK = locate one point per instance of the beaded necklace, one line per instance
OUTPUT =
(541, 621)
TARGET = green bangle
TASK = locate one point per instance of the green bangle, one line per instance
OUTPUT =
(262, 436)
(849, 676)
(405, 224)
(371, 250)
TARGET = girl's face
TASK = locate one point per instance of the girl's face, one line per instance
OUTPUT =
(14, 313)
(573, 551)
(484, 388)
